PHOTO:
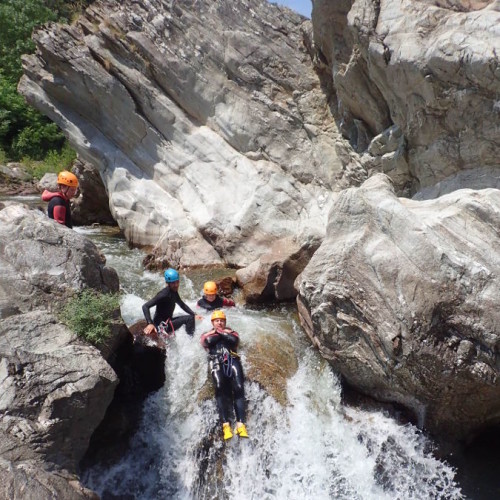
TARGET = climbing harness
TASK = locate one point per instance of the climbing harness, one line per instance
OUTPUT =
(225, 358)
(227, 363)
(163, 329)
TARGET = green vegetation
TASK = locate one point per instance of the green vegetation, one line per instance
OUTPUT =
(54, 161)
(24, 132)
(90, 315)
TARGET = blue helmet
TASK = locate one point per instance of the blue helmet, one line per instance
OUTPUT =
(171, 275)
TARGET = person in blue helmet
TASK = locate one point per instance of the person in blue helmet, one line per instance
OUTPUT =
(165, 302)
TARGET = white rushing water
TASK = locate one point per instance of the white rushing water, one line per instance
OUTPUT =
(315, 447)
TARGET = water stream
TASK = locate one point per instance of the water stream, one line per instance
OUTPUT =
(313, 447)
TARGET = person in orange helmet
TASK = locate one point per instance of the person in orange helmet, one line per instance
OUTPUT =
(59, 207)
(221, 342)
(211, 300)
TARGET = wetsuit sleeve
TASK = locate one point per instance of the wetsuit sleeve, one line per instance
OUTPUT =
(228, 302)
(209, 338)
(148, 305)
(184, 306)
(60, 214)
(231, 338)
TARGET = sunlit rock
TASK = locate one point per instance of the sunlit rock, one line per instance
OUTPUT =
(42, 261)
(402, 298)
(271, 277)
(30, 479)
(206, 120)
(54, 388)
(271, 363)
(428, 67)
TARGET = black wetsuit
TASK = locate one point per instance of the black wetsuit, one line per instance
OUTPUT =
(165, 302)
(226, 369)
(59, 207)
(216, 304)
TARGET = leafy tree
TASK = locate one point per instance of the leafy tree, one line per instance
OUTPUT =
(23, 130)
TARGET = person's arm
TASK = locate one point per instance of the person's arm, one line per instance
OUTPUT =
(147, 314)
(146, 309)
(228, 302)
(58, 209)
(184, 306)
(60, 214)
(209, 338)
(231, 337)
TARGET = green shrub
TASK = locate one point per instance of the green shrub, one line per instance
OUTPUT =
(23, 130)
(54, 162)
(37, 138)
(90, 315)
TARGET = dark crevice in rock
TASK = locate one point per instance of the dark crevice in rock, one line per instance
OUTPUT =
(141, 370)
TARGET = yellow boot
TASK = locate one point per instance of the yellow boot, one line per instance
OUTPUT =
(226, 428)
(241, 430)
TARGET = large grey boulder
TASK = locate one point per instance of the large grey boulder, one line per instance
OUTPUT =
(42, 261)
(28, 480)
(54, 388)
(206, 120)
(429, 68)
(402, 298)
(92, 207)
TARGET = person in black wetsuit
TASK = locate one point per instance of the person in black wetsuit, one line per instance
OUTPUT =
(59, 202)
(227, 373)
(165, 302)
(211, 300)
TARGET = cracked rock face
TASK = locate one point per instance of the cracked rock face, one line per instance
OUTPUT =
(206, 120)
(54, 388)
(402, 298)
(219, 143)
(429, 68)
(41, 262)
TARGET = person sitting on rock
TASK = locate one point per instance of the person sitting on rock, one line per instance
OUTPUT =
(59, 206)
(165, 302)
(227, 373)
(211, 300)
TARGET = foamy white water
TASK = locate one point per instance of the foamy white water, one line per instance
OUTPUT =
(313, 448)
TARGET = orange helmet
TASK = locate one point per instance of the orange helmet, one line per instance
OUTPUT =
(210, 287)
(67, 179)
(218, 314)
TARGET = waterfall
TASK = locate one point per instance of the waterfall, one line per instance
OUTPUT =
(311, 447)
